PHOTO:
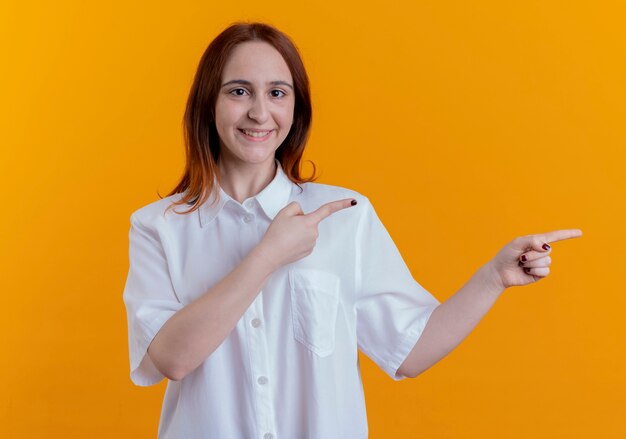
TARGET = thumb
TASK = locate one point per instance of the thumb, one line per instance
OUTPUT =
(292, 209)
(539, 244)
(531, 242)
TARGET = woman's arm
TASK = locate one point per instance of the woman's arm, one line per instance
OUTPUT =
(195, 331)
(521, 262)
(451, 322)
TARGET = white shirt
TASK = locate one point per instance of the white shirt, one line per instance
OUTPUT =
(289, 369)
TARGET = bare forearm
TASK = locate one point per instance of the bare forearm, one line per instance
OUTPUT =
(195, 331)
(453, 320)
(521, 262)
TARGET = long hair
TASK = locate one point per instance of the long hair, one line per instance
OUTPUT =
(200, 134)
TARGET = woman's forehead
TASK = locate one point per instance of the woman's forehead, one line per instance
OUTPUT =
(256, 61)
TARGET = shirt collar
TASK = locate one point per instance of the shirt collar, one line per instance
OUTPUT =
(272, 198)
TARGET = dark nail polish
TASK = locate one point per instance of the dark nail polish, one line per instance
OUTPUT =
(524, 258)
(527, 270)
(520, 263)
(545, 247)
(353, 202)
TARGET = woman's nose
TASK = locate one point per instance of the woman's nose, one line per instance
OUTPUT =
(258, 110)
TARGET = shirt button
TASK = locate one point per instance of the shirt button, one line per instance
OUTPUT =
(262, 380)
(256, 323)
(247, 218)
(248, 204)
(268, 436)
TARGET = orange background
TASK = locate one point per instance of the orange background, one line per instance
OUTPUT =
(465, 124)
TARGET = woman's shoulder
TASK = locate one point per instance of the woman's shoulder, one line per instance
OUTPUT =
(159, 210)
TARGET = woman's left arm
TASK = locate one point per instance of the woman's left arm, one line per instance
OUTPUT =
(523, 261)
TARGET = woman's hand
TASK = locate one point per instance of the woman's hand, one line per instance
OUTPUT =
(292, 234)
(527, 259)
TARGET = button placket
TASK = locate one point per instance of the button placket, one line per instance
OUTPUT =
(259, 367)
(256, 338)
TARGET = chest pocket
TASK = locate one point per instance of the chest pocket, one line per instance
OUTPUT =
(314, 303)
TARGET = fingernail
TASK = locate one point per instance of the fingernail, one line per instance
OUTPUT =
(545, 247)
(524, 258)
(527, 270)
(353, 202)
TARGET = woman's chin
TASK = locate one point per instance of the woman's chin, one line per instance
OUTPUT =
(255, 159)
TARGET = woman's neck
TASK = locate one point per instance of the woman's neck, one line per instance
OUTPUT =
(242, 182)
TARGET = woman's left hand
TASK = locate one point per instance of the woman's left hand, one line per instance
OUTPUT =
(527, 259)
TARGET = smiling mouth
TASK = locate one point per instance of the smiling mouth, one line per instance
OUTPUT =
(257, 134)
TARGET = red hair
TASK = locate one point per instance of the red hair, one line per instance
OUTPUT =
(201, 138)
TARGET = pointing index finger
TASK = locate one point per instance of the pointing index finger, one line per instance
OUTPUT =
(328, 209)
(560, 235)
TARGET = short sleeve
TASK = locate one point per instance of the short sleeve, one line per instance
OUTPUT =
(149, 298)
(392, 308)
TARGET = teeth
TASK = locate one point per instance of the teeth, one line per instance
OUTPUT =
(255, 134)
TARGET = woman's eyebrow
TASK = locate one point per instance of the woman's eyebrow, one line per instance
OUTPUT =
(244, 82)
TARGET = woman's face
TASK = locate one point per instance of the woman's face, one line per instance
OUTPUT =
(254, 108)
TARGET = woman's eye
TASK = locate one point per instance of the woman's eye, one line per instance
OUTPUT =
(243, 92)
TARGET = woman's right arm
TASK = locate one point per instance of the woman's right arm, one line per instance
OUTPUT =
(195, 331)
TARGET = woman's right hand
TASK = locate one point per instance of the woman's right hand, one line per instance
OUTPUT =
(292, 234)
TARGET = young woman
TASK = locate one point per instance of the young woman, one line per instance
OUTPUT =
(255, 300)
